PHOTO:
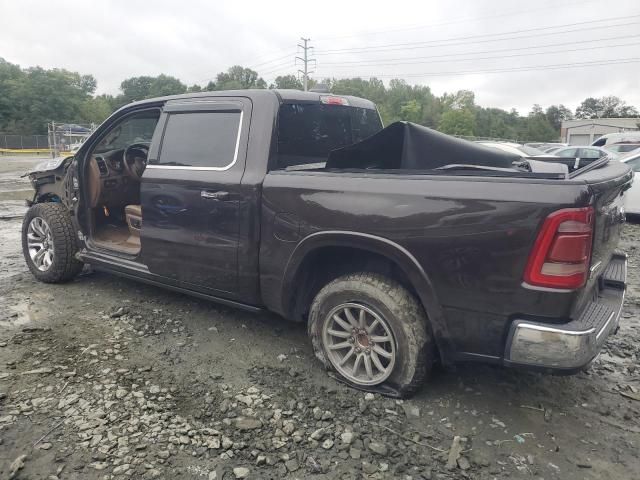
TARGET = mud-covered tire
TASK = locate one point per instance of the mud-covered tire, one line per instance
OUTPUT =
(403, 314)
(64, 265)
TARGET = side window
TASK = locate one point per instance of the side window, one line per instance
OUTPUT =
(200, 139)
(135, 128)
(568, 153)
(590, 153)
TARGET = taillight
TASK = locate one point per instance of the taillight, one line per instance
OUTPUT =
(562, 252)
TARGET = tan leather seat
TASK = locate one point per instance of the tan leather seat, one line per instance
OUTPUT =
(94, 183)
(133, 213)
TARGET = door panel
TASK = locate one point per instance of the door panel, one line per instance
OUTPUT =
(190, 194)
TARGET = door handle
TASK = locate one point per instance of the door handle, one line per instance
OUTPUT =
(214, 195)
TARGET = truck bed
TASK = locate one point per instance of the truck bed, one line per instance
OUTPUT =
(470, 234)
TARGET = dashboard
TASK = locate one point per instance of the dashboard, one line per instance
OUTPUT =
(116, 186)
(110, 163)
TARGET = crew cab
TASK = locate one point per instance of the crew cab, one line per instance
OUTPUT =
(398, 246)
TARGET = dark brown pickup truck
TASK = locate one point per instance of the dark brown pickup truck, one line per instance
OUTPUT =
(398, 246)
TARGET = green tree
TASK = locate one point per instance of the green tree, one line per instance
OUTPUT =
(287, 81)
(239, 78)
(613, 107)
(164, 85)
(33, 97)
(462, 99)
(537, 127)
(401, 95)
(411, 111)
(11, 79)
(457, 122)
(605, 107)
(556, 114)
(96, 109)
(136, 88)
(139, 88)
(496, 123)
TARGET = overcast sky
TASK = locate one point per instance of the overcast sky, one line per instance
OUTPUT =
(507, 52)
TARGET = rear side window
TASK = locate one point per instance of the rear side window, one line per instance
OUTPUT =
(308, 132)
(200, 140)
(590, 153)
(568, 153)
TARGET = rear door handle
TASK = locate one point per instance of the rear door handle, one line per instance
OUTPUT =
(214, 195)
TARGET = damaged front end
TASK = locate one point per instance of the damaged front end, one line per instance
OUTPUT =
(53, 180)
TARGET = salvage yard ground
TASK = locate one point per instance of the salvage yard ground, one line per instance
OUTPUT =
(108, 378)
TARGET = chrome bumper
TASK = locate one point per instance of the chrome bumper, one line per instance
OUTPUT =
(572, 345)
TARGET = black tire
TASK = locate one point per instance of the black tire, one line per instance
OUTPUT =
(65, 265)
(404, 315)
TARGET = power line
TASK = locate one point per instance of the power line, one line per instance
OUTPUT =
(558, 66)
(288, 55)
(474, 38)
(441, 60)
(449, 55)
(287, 63)
(453, 22)
(252, 66)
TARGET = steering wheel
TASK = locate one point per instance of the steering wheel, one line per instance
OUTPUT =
(134, 159)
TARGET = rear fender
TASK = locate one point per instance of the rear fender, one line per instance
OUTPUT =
(397, 254)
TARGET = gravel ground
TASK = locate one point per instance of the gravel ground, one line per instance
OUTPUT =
(107, 378)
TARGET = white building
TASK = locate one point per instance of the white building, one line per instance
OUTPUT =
(584, 132)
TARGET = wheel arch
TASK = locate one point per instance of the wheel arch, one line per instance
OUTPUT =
(298, 288)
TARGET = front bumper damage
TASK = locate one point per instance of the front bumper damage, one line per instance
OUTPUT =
(571, 346)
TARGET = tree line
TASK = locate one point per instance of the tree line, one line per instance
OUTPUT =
(31, 97)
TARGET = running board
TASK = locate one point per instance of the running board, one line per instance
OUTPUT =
(139, 272)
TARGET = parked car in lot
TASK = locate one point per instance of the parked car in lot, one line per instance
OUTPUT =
(618, 137)
(545, 147)
(586, 153)
(397, 246)
(622, 148)
(632, 200)
(516, 149)
(580, 152)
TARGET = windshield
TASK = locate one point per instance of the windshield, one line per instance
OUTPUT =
(307, 132)
(623, 147)
(134, 129)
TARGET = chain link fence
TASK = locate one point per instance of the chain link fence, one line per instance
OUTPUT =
(21, 142)
(67, 137)
(61, 138)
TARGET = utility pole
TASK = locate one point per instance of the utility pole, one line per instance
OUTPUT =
(305, 60)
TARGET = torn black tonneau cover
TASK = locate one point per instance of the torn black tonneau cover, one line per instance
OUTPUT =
(407, 146)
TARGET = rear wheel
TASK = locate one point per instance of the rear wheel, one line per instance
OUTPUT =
(371, 331)
(48, 243)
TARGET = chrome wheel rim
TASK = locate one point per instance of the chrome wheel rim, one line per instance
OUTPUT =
(359, 344)
(40, 243)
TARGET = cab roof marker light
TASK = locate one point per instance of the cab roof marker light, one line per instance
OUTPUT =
(334, 100)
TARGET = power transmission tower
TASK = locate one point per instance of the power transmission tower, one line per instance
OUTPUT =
(305, 60)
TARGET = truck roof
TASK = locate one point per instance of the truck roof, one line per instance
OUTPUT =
(282, 96)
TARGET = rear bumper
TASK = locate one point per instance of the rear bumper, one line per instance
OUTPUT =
(571, 346)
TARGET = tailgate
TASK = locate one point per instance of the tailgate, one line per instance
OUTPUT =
(608, 186)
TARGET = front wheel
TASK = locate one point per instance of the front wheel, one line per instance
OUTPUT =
(372, 332)
(48, 243)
